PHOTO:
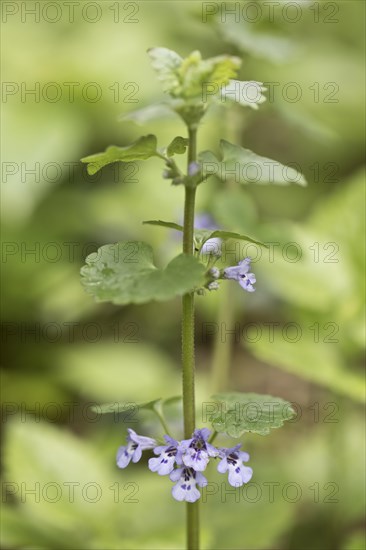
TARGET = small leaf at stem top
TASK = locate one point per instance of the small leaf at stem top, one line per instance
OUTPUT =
(189, 77)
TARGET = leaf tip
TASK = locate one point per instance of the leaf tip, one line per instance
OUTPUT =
(92, 169)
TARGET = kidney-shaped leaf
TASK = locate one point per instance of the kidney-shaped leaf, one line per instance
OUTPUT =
(124, 273)
(237, 413)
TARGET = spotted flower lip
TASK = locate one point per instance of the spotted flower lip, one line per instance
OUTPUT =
(185, 488)
(232, 461)
(196, 452)
(133, 450)
(240, 273)
(169, 455)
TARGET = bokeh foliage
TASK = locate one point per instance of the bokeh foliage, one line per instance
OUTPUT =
(92, 353)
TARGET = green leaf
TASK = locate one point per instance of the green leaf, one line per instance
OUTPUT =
(172, 400)
(225, 235)
(245, 93)
(166, 63)
(142, 149)
(124, 273)
(170, 225)
(234, 208)
(206, 157)
(199, 76)
(187, 78)
(237, 413)
(203, 235)
(148, 113)
(123, 407)
(178, 146)
(244, 166)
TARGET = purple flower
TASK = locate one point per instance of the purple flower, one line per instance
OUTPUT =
(194, 168)
(133, 450)
(240, 273)
(232, 460)
(185, 488)
(196, 452)
(169, 454)
(205, 221)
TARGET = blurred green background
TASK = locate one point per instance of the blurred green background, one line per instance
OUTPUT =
(62, 352)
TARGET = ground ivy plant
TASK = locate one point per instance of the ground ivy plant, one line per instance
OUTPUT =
(124, 272)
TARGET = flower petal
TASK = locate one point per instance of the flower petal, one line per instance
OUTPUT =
(192, 493)
(212, 451)
(201, 480)
(243, 456)
(123, 457)
(154, 464)
(204, 433)
(222, 466)
(197, 460)
(247, 474)
(178, 493)
(235, 478)
(245, 265)
(176, 474)
(245, 283)
(186, 491)
(137, 454)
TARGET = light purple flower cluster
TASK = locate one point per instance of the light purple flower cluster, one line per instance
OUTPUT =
(184, 461)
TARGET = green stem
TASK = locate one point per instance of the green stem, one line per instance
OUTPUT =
(188, 359)
(162, 420)
(213, 437)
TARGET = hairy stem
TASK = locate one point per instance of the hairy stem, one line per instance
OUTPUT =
(188, 359)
